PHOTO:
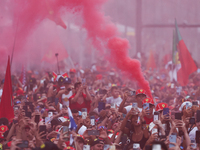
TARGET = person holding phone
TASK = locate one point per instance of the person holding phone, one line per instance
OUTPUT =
(137, 132)
(81, 98)
(148, 109)
(140, 95)
(66, 93)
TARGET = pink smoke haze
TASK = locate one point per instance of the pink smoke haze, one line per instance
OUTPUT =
(29, 15)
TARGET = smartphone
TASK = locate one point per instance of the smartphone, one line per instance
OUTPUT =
(148, 147)
(146, 105)
(102, 91)
(198, 136)
(92, 120)
(15, 121)
(134, 105)
(50, 114)
(25, 108)
(192, 120)
(106, 147)
(101, 106)
(178, 116)
(93, 132)
(156, 147)
(86, 147)
(136, 146)
(156, 116)
(195, 103)
(172, 139)
(165, 111)
(193, 142)
(56, 101)
(124, 139)
(154, 130)
(66, 136)
(132, 93)
(172, 85)
(43, 128)
(31, 107)
(28, 114)
(24, 144)
(198, 116)
(113, 105)
(37, 118)
(84, 113)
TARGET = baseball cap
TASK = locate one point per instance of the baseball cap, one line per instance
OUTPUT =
(67, 81)
(183, 104)
(148, 100)
(97, 141)
(160, 106)
(140, 91)
(73, 70)
(3, 129)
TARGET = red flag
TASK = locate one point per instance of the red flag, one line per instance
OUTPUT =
(6, 105)
(151, 61)
(65, 75)
(54, 76)
(188, 65)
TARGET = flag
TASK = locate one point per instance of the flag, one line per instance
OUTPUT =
(54, 76)
(65, 75)
(72, 124)
(23, 76)
(151, 61)
(55, 47)
(6, 105)
(188, 65)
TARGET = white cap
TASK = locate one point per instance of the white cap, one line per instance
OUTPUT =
(82, 130)
(183, 104)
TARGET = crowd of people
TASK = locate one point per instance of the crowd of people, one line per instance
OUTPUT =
(96, 109)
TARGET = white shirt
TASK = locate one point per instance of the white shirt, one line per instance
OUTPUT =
(192, 133)
(65, 98)
(112, 100)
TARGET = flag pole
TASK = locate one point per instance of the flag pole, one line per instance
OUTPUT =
(56, 54)
(14, 44)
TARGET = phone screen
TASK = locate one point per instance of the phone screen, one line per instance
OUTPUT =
(178, 116)
(84, 113)
(37, 118)
(113, 105)
(136, 146)
(155, 117)
(42, 128)
(92, 120)
(172, 139)
(28, 114)
(134, 105)
(156, 147)
(146, 105)
(101, 106)
(198, 137)
(24, 144)
(106, 147)
(198, 116)
(165, 111)
(86, 147)
(93, 132)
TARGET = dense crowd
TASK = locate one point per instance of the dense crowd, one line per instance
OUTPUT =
(100, 108)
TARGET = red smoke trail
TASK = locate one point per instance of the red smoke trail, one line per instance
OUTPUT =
(104, 34)
(100, 30)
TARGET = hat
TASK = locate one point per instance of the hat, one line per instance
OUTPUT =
(160, 106)
(148, 100)
(140, 91)
(47, 146)
(97, 141)
(80, 136)
(183, 104)
(69, 147)
(82, 130)
(94, 112)
(3, 129)
(72, 70)
(67, 81)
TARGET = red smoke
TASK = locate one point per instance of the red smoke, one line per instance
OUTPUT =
(103, 33)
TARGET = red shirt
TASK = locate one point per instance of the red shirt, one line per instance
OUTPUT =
(148, 121)
(77, 106)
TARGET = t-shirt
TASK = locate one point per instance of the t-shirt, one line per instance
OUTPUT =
(148, 120)
(111, 100)
(192, 133)
(77, 106)
(65, 98)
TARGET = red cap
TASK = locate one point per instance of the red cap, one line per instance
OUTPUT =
(78, 135)
(140, 91)
(69, 147)
(160, 106)
(99, 76)
(148, 100)
(72, 70)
